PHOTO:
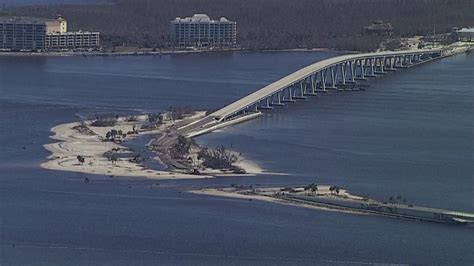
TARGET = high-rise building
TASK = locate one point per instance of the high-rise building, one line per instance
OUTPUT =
(22, 34)
(201, 31)
(36, 34)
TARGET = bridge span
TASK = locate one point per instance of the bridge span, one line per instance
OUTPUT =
(337, 73)
(341, 73)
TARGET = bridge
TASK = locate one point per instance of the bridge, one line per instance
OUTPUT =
(341, 73)
(337, 73)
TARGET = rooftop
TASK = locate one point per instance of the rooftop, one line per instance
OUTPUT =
(203, 18)
(466, 30)
(379, 25)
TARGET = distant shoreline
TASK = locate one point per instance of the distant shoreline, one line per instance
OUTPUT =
(163, 52)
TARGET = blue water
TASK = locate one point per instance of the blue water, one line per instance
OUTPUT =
(410, 133)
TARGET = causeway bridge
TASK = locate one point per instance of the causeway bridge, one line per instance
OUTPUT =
(337, 73)
(341, 73)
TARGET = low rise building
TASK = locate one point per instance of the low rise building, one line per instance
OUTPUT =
(72, 40)
(464, 34)
(379, 27)
(202, 31)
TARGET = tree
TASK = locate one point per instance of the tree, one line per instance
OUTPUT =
(312, 187)
(114, 158)
(181, 148)
(219, 158)
(81, 159)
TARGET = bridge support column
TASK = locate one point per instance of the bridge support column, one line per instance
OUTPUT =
(351, 64)
(343, 73)
(323, 80)
(313, 84)
(333, 78)
(372, 68)
(278, 99)
(290, 95)
(361, 67)
(309, 81)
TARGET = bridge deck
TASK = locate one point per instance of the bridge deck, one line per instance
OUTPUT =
(305, 72)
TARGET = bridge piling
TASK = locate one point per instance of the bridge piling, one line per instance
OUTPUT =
(334, 73)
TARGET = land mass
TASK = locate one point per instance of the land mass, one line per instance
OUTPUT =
(333, 198)
(262, 24)
(97, 147)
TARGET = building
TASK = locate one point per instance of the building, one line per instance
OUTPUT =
(56, 25)
(201, 31)
(72, 40)
(22, 34)
(464, 34)
(36, 34)
(379, 27)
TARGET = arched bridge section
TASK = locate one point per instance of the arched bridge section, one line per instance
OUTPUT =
(337, 73)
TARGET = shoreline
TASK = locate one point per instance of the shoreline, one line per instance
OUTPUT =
(333, 198)
(93, 147)
(233, 193)
(165, 52)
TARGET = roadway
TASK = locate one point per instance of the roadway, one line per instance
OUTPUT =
(305, 72)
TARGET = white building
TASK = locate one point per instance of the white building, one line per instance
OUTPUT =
(72, 40)
(58, 37)
(465, 34)
(202, 31)
(58, 25)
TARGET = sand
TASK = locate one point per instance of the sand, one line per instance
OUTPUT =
(92, 147)
(232, 193)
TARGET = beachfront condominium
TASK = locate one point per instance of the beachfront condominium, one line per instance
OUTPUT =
(202, 31)
(37, 34)
(22, 34)
(73, 40)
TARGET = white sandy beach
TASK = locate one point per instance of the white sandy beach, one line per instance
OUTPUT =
(232, 193)
(92, 147)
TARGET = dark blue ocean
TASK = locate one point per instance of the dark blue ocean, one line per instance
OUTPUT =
(410, 134)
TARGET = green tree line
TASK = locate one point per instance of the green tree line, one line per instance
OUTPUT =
(264, 24)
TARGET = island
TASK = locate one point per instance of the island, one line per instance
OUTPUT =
(98, 146)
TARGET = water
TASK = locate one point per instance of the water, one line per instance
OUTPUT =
(409, 134)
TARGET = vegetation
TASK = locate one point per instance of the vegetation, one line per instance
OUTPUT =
(155, 118)
(219, 158)
(264, 24)
(312, 187)
(180, 149)
(179, 112)
(104, 122)
(115, 135)
(83, 129)
(334, 189)
(81, 159)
